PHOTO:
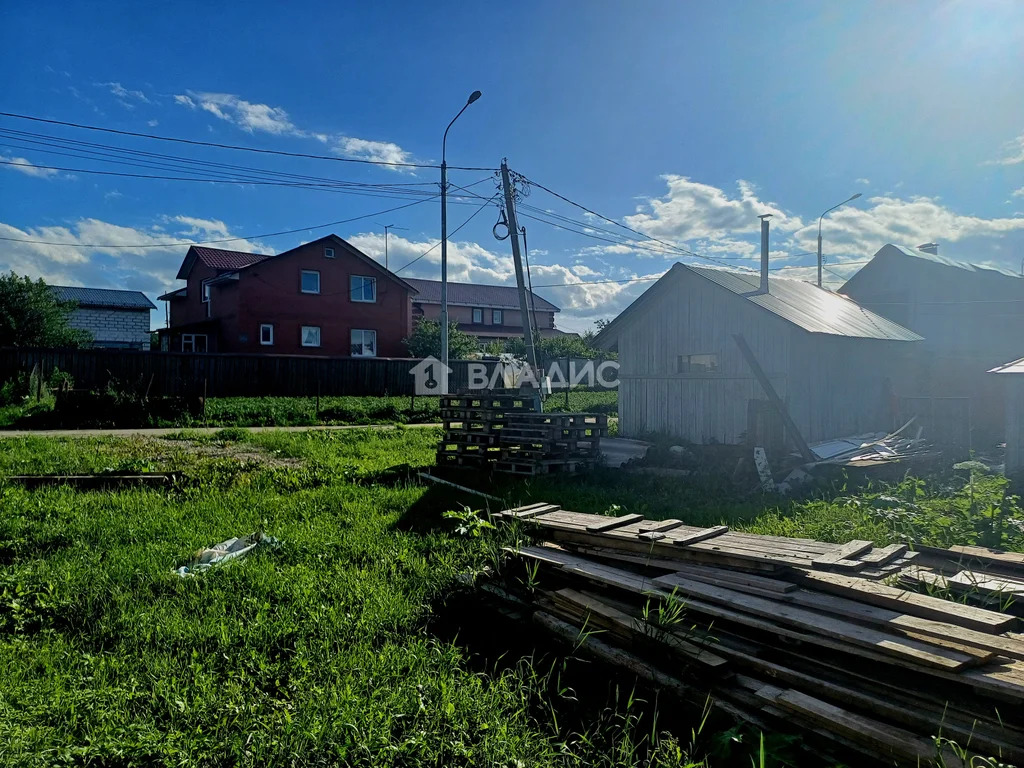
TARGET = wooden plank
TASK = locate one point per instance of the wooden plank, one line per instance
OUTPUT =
(613, 522)
(849, 551)
(994, 557)
(659, 526)
(909, 651)
(883, 555)
(713, 575)
(694, 538)
(543, 509)
(911, 603)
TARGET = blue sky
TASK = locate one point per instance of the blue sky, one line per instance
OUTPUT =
(682, 120)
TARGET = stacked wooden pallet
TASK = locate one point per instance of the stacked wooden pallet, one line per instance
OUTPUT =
(536, 443)
(473, 422)
(784, 633)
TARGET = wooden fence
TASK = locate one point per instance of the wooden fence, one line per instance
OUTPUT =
(228, 375)
(224, 375)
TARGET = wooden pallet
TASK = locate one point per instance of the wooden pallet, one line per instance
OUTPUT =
(543, 466)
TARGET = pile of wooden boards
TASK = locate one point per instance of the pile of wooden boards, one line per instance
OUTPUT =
(537, 443)
(787, 634)
(473, 421)
(504, 430)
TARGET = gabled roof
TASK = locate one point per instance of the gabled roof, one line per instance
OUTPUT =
(1017, 366)
(103, 298)
(978, 274)
(237, 261)
(805, 305)
(471, 295)
(180, 293)
(916, 253)
(218, 258)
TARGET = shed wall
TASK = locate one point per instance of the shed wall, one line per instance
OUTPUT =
(1014, 383)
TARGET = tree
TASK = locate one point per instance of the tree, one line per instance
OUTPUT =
(425, 341)
(31, 315)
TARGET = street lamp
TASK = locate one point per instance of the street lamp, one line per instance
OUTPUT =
(854, 197)
(444, 239)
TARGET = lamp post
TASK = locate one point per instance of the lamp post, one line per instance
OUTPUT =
(444, 239)
(853, 197)
(386, 228)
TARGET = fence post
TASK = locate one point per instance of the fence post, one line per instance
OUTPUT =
(565, 375)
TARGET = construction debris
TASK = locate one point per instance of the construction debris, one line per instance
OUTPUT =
(227, 551)
(504, 430)
(788, 633)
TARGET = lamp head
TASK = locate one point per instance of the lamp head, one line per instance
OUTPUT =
(855, 196)
(474, 96)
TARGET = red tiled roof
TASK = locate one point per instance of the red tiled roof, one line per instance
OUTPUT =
(218, 258)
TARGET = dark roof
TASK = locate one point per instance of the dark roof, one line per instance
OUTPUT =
(471, 295)
(106, 298)
(180, 293)
(805, 305)
(218, 258)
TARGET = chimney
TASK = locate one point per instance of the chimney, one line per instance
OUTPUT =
(932, 248)
(764, 252)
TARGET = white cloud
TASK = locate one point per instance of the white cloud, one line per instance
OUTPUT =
(125, 95)
(204, 227)
(102, 264)
(22, 165)
(245, 114)
(263, 118)
(692, 210)
(1018, 192)
(152, 123)
(865, 182)
(379, 151)
(1013, 152)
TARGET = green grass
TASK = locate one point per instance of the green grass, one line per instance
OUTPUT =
(318, 653)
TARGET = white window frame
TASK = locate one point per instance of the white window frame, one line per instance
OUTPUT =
(362, 342)
(265, 326)
(362, 286)
(478, 311)
(328, 253)
(204, 290)
(191, 338)
(686, 361)
(497, 317)
(302, 276)
(302, 335)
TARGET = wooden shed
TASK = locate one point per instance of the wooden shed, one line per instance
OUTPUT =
(1012, 378)
(682, 373)
(971, 317)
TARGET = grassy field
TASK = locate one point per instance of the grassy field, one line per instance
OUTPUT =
(298, 411)
(317, 653)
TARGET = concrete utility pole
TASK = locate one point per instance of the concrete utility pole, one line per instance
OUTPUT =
(854, 197)
(444, 236)
(524, 307)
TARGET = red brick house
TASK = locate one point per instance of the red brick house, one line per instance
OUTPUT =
(324, 298)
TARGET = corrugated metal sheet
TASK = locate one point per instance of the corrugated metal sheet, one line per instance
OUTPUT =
(218, 258)
(1017, 366)
(470, 295)
(807, 306)
(103, 297)
(965, 266)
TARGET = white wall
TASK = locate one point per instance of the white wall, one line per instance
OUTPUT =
(114, 325)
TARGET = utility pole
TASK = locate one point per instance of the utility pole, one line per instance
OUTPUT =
(524, 307)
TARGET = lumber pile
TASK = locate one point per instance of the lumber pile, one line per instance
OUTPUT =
(537, 443)
(788, 634)
(503, 430)
(472, 423)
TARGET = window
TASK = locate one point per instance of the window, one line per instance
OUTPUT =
(310, 281)
(267, 334)
(193, 342)
(329, 253)
(703, 363)
(311, 335)
(364, 343)
(206, 291)
(497, 317)
(362, 288)
(478, 316)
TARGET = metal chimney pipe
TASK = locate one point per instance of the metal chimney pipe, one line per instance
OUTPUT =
(764, 252)
(932, 248)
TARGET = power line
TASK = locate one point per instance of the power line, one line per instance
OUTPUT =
(225, 240)
(235, 147)
(435, 245)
